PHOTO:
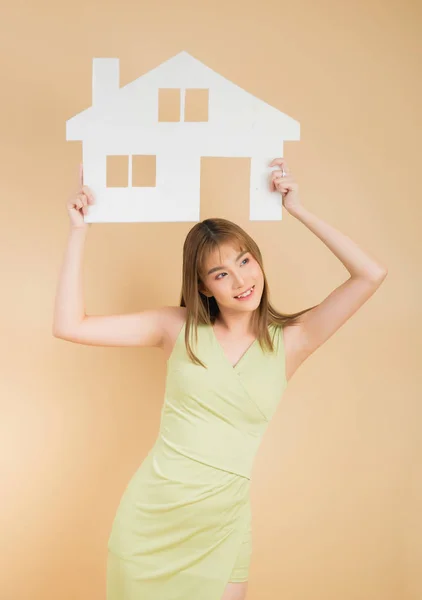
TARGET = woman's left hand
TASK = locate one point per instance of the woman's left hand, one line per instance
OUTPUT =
(286, 185)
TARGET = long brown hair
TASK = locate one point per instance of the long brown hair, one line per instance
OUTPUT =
(202, 239)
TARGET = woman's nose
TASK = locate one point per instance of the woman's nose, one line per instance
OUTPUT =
(239, 281)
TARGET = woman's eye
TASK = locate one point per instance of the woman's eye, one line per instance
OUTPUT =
(224, 273)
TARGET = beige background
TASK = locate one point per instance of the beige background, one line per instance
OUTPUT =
(337, 486)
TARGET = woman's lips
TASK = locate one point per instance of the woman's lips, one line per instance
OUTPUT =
(248, 296)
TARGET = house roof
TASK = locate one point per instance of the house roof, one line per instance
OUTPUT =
(230, 106)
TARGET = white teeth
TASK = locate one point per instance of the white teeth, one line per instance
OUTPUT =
(246, 293)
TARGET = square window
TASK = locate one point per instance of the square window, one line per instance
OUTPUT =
(169, 105)
(144, 170)
(196, 105)
(117, 170)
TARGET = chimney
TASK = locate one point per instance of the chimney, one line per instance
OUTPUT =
(105, 79)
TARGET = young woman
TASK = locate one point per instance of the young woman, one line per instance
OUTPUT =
(182, 530)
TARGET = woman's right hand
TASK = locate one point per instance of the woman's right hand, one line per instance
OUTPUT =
(77, 205)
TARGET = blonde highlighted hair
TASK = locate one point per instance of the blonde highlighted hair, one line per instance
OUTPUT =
(205, 237)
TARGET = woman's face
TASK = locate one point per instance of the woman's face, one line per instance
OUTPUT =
(229, 271)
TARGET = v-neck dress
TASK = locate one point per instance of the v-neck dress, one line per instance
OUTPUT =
(182, 530)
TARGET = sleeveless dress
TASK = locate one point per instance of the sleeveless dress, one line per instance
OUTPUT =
(182, 530)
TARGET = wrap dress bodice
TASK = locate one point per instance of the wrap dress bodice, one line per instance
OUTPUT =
(218, 415)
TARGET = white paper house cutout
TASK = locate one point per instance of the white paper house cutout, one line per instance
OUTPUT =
(124, 121)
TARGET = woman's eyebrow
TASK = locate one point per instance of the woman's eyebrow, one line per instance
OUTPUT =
(222, 267)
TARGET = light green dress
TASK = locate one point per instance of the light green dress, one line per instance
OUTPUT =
(182, 530)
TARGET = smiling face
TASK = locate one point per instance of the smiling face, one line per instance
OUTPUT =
(230, 271)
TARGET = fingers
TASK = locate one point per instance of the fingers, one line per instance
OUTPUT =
(89, 194)
(281, 162)
(84, 188)
(81, 202)
(277, 179)
(280, 182)
(279, 175)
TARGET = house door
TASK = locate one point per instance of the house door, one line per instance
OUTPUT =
(225, 184)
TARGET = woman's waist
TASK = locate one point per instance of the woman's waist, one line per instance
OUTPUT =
(224, 448)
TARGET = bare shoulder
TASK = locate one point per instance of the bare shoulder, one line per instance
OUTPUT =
(174, 319)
